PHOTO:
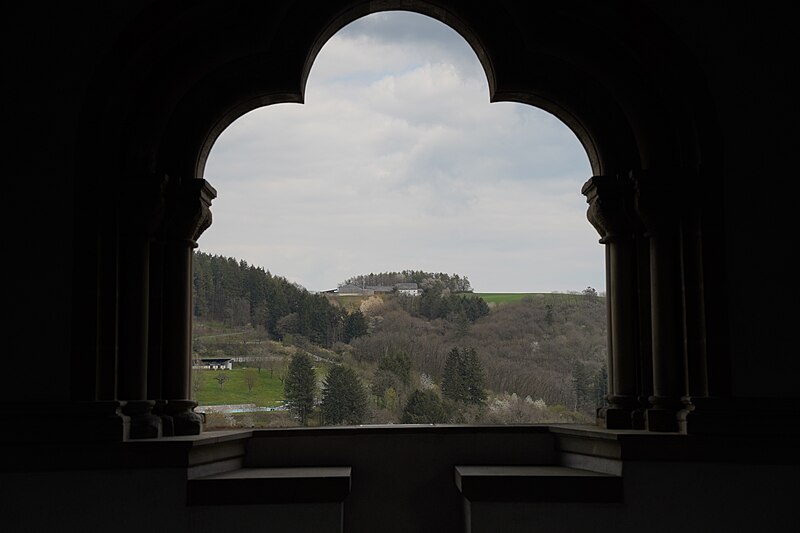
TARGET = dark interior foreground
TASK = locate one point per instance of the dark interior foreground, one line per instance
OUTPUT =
(686, 113)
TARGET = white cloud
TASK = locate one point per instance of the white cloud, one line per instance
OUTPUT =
(398, 160)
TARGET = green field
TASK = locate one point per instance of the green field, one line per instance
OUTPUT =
(266, 392)
(509, 297)
(503, 297)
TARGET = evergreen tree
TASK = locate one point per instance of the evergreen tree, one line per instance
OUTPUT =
(394, 372)
(424, 407)
(582, 380)
(464, 379)
(601, 386)
(344, 399)
(355, 325)
(300, 386)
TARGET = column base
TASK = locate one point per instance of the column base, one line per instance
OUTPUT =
(639, 419)
(167, 424)
(618, 414)
(639, 415)
(184, 420)
(143, 423)
(614, 418)
(663, 415)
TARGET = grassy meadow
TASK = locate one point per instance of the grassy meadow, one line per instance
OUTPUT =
(502, 297)
(266, 392)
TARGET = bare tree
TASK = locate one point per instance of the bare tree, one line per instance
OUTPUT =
(250, 378)
(221, 379)
(197, 381)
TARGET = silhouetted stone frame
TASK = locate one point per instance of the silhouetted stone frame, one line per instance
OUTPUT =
(642, 115)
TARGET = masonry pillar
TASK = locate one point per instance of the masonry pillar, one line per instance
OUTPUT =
(141, 214)
(155, 344)
(610, 205)
(188, 216)
(644, 367)
(659, 207)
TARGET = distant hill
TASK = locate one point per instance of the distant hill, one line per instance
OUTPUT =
(452, 282)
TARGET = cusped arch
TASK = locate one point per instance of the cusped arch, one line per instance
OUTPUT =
(630, 93)
(548, 77)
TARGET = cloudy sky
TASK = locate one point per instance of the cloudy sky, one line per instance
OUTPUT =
(397, 161)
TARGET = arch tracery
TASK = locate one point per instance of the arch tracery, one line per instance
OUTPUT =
(637, 137)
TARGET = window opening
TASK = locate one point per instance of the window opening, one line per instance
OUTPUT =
(398, 249)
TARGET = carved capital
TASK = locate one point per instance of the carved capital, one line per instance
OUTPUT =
(610, 209)
(189, 210)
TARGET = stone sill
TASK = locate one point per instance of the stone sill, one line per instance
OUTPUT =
(193, 452)
(252, 486)
(189, 452)
(537, 484)
(639, 445)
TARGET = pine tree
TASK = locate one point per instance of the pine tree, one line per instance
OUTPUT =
(424, 407)
(355, 325)
(300, 386)
(582, 382)
(344, 399)
(394, 372)
(464, 379)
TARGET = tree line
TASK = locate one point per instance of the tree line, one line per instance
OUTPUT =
(451, 282)
(231, 291)
(345, 397)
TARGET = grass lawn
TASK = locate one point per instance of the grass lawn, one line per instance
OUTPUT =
(503, 297)
(266, 391)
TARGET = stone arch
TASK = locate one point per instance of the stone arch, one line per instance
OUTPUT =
(160, 104)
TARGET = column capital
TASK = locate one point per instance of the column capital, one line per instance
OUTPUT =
(189, 210)
(610, 211)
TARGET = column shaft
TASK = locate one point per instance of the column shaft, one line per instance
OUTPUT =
(106, 369)
(132, 337)
(661, 209)
(610, 203)
(188, 216)
(176, 364)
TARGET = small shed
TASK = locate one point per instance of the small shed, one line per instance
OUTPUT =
(214, 363)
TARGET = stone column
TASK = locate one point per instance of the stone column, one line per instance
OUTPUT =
(107, 353)
(140, 215)
(610, 205)
(644, 367)
(660, 209)
(188, 217)
(706, 410)
(155, 344)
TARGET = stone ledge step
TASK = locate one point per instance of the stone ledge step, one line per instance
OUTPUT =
(546, 483)
(252, 486)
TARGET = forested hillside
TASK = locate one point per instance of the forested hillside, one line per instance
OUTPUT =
(451, 282)
(549, 347)
(444, 356)
(237, 294)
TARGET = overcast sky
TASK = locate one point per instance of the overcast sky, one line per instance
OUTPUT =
(397, 161)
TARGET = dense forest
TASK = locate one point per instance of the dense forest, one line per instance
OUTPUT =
(232, 292)
(444, 356)
(451, 282)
